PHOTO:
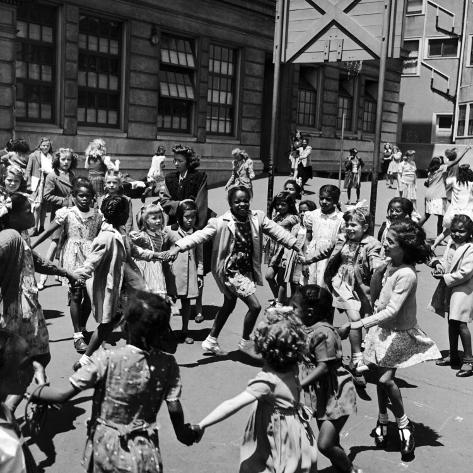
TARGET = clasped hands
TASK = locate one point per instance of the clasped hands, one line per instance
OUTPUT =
(167, 256)
(190, 434)
(438, 272)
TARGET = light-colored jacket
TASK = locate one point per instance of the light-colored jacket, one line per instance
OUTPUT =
(105, 267)
(222, 231)
(458, 279)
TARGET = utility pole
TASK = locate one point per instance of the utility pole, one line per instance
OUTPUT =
(379, 106)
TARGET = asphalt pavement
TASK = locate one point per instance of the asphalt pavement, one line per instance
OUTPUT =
(438, 403)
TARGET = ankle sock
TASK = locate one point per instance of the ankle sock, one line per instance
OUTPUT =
(402, 422)
(211, 339)
(78, 335)
(85, 360)
(356, 357)
(383, 418)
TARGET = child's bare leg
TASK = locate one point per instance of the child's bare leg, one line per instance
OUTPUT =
(441, 237)
(271, 278)
(328, 443)
(222, 316)
(358, 190)
(86, 308)
(98, 337)
(387, 383)
(254, 308)
(49, 257)
(465, 337)
(439, 224)
(199, 317)
(355, 334)
(424, 219)
(185, 314)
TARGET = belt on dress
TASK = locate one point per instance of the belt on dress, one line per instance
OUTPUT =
(128, 431)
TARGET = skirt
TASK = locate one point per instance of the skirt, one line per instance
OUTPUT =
(343, 289)
(407, 185)
(240, 285)
(352, 180)
(393, 167)
(388, 348)
(98, 183)
(436, 206)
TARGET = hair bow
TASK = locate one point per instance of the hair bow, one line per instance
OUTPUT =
(361, 206)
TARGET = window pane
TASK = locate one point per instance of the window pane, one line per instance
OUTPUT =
(444, 47)
(221, 92)
(461, 120)
(307, 96)
(35, 62)
(99, 71)
(411, 61)
(177, 51)
(414, 6)
(444, 121)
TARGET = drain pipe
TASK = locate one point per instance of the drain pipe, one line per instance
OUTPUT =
(464, 38)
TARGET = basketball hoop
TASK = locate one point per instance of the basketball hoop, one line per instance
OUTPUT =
(353, 68)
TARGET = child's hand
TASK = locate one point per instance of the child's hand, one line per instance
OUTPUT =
(437, 274)
(187, 435)
(357, 324)
(160, 255)
(344, 330)
(198, 431)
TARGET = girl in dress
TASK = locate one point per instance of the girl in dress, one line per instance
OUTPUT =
(327, 386)
(454, 293)
(394, 164)
(155, 177)
(353, 168)
(57, 193)
(323, 229)
(394, 340)
(39, 166)
(242, 170)
(79, 225)
(104, 270)
(131, 383)
(150, 221)
(408, 177)
(461, 188)
(285, 214)
(237, 237)
(348, 275)
(97, 162)
(185, 276)
(278, 437)
(295, 273)
(398, 209)
(22, 313)
(113, 185)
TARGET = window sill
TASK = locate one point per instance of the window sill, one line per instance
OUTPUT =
(184, 137)
(411, 75)
(44, 128)
(310, 131)
(215, 139)
(92, 131)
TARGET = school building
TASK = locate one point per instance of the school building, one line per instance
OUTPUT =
(144, 73)
(436, 85)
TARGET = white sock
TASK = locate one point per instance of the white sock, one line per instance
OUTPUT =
(78, 335)
(357, 357)
(243, 342)
(383, 418)
(402, 422)
(85, 360)
(211, 339)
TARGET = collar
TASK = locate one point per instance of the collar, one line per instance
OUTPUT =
(181, 178)
(334, 215)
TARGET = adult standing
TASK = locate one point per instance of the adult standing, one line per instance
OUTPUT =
(353, 167)
(38, 167)
(304, 164)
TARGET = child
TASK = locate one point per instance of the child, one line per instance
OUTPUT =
(150, 221)
(57, 193)
(454, 294)
(97, 162)
(348, 275)
(399, 208)
(294, 189)
(327, 386)
(236, 261)
(278, 437)
(283, 208)
(104, 270)
(408, 177)
(79, 226)
(22, 312)
(394, 339)
(155, 177)
(130, 382)
(14, 179)
(113, 185)
(40, 164)
(323, 229)
(453, 161)
(18, 154)
(295, 273)
(393, 169)
(185, 276)
(387, 158)
(304, 165)
(353, 168)
(242, 170)
(461, 188)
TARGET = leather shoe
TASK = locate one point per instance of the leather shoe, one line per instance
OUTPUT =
(80, 345)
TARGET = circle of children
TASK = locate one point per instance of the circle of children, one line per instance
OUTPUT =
(325, 257)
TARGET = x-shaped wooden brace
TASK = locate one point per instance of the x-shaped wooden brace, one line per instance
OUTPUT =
(334, 13)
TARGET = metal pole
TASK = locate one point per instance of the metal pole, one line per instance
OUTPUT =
(379, 106)
(342, 146)
(278, 36)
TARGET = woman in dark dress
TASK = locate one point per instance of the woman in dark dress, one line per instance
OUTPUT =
(188, 183)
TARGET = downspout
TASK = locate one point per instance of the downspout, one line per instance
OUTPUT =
(464, 37)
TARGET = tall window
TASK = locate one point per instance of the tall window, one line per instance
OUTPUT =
(36, 63)
(307, 97)
(177, 94)
(443, 47)
(345, 103)
(410, 65)
(369, 106)
(221, 92)
(415, 7)
(99, 72)
(461, 120)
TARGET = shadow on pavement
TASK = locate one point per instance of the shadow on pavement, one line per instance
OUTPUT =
(52, 314)
(235, 355)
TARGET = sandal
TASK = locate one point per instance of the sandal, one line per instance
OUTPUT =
(466, 370)
(407, 444)
(380, 434)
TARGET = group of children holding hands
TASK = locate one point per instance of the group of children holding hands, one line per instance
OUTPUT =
(326, 258)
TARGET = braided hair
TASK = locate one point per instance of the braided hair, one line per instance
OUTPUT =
(115, 210)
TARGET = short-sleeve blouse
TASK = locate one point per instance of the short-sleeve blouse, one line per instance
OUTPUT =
(324, 343)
